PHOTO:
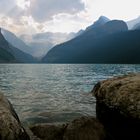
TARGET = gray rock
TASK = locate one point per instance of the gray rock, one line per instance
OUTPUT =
(84, 128)
(48, 131)
(10, 126)
(118, 106)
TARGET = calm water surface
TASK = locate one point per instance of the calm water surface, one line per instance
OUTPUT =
(53, 92)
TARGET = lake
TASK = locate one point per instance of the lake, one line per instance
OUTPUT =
(55, 93)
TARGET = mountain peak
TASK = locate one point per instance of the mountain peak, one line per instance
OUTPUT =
(133, 23)
(101, 21)
(103, 18)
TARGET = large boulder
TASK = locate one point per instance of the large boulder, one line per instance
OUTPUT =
(118, 106)
(48, 131)
(84, 128)
(10, 126)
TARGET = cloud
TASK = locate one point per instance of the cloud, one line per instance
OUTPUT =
(6, 5)
(65, 23)
(32, 16)
(10, 9)
(15, 13)
(44, 10)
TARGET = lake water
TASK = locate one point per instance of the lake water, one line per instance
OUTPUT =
(55, 93)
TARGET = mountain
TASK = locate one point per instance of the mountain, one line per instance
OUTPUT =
(8, 53)
(101, 21)
(5, 55)
(109, 43)
(137, 27)
(15, 41)
(132, 23)
(41, 43)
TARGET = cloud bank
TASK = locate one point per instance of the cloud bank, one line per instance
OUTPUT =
(33, 16)
(43, 10)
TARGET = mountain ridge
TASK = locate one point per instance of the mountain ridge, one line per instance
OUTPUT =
(75, 50)
(17, 56)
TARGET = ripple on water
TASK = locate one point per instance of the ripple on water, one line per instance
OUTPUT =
(54, 92)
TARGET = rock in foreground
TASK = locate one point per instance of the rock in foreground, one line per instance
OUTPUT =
(84, 128)
(118, 106)
(10, 126)
(48, 132)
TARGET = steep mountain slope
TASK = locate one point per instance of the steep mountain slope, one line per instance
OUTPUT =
(15, 41)
(101, 21)
(6, 57)
(9, 53)
(137, 27)
(132, 23)
(109, 43)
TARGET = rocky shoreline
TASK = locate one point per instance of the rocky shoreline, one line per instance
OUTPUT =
(117, 110)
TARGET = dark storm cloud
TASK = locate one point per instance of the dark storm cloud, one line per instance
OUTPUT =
(42, 10)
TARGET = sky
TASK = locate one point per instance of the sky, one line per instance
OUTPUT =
(35, 16)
